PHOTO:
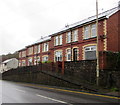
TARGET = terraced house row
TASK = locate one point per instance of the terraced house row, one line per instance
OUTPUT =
(76, 41)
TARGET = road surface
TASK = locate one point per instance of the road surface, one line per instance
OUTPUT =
(13, 92)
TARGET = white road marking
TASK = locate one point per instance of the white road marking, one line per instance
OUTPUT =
(53, 99)
(20, 90)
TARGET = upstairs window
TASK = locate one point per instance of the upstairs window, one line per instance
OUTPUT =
(75, 35)
(72, 37)
(37, 49)
(38, 59)
(19, 54)
(86, 32)
(30, 50)
(35, 60)
(58, 40)
(68, 37)
(45, 47)
(58, 56)
(23, 53)
(90, 31)
(93, 30)
(90, 53)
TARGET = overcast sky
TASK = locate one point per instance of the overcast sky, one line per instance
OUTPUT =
(22, 22)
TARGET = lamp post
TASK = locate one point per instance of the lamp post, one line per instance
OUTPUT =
(97, 50)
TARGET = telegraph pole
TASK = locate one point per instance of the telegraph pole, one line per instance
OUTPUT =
(71, 43)
(97, 50)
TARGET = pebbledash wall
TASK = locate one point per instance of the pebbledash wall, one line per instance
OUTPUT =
(76, 41)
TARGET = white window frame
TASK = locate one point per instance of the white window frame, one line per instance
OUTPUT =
(90, 48)
(87, 32)
(23, 63)
(23, 53)
(45, 47)
(90, 31)
(36, 60)
(38, 51)
(68, 53)
(93, 30)
(20, 54)
(58, 40)
(75, 35)
(68, 37)
(35, 49)
(58, 56)
(30, 61)
(30, 50)
(44, 58)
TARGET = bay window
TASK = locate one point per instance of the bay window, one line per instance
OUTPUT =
(90, 53)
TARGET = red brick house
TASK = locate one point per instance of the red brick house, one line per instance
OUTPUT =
(76, 41)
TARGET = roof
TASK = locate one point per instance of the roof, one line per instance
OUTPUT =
(22, 49)
(102, 15)
(8, 60)
(42, 39)
(105, 14)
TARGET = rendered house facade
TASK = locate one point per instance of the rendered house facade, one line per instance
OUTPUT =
(76, 41)
(8, 64)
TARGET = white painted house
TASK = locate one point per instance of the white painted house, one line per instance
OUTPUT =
(8, 64)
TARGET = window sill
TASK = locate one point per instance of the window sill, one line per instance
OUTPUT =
(90, 38)
(44, 51)
(72, 42)
(57, 45)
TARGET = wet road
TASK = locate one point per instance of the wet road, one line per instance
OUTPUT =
(22, 93)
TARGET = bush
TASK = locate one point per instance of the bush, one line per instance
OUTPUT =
(46, 61)
(114, 89)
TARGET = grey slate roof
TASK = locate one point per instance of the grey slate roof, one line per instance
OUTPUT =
(8, 60)
(105, 14)
(42, 39)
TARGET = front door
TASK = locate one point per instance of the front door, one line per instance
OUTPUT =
(75, 54)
